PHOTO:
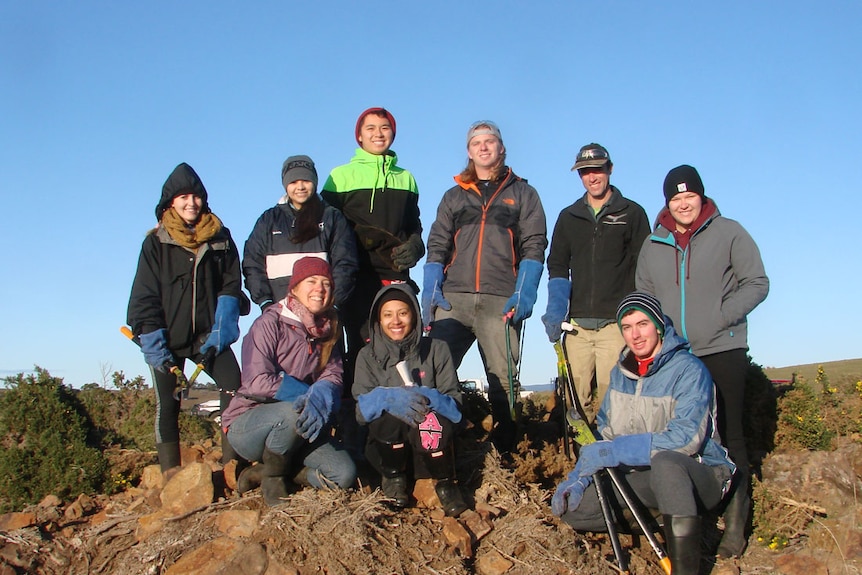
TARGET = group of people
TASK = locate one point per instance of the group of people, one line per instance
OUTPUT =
(653, 323)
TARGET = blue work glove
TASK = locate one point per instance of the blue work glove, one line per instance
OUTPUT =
(405, 403)
(155, 347)
(432, 292)
(569, 493)
(559, 291)
(290, 388)
(315, 408)
(225, 328)
(526, 290)
(406, 254)
(442, 404)
(633, 450)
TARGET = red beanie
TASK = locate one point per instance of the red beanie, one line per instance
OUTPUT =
(377, 112)
(307, 267)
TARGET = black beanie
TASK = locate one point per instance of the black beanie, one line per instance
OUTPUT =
(183, 180)
(682, 178)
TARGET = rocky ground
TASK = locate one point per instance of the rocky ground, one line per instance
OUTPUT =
(195, 522)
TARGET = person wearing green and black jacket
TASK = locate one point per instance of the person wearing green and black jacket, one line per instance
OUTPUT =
(381, 203)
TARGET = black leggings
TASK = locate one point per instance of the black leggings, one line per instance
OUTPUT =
(224, 372)
(728, 370)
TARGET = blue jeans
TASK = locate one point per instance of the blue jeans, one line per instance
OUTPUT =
(273, 426)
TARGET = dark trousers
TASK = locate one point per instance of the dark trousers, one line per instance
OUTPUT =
(728, 370)
(224, 372)
(675, 484)
(437, 438)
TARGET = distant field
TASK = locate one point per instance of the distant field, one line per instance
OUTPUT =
(834, 369)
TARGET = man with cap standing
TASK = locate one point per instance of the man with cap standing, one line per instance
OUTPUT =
(591, 266)
(656, 422)
(486, 253)
(381, 203)
(707, 272)
(299, 225)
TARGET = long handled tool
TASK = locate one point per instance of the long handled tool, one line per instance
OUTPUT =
(507, 321)
(183, 384)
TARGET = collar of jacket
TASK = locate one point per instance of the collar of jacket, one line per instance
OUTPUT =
(472, 186)
(387, 160)
(671, 344)
(614, 204)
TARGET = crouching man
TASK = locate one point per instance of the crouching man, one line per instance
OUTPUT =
(657, 424)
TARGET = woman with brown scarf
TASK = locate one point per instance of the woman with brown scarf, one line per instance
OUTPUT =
(186, 301)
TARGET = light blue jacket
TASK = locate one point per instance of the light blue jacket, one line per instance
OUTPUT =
(674, 402)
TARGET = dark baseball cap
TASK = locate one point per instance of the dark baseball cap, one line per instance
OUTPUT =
(592, 156)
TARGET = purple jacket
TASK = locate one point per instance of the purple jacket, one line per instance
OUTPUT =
(278, 343)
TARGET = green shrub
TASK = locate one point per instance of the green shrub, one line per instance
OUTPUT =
(43, 442)
(801, 422)
(760, 414)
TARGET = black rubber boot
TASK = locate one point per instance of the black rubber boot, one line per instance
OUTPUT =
(683, 543)
(248, 479)
(273, 475)
(735, 522)
(441, 465)
(393, 471)
(450, 498)
(169, 455)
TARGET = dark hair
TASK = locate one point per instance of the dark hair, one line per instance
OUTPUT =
(308, 217)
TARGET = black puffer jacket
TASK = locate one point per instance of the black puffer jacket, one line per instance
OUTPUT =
(269, 253)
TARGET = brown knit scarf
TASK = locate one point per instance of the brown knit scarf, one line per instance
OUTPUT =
(191, 237)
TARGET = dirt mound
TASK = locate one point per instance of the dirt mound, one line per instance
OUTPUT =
(512, 531)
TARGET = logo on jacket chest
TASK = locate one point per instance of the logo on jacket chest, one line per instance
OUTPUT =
(614, 219)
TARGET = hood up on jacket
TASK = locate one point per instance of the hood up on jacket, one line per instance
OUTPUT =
(183, 180)
(386, 351)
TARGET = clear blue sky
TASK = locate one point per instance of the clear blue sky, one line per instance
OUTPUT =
(100, 100)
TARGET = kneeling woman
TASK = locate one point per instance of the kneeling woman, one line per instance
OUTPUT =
(291, 387)
(406, 391)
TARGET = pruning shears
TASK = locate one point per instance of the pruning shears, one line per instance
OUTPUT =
(183, 383)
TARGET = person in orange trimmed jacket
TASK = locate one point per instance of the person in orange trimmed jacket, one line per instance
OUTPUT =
(486, 253)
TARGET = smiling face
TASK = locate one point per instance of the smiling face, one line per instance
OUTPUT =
(485, 151)
(396, 319)
(685, 207)
(299, 192)
(188, 207)
(375, 135)
(597, 184)
(640, 334)
(315, 293)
